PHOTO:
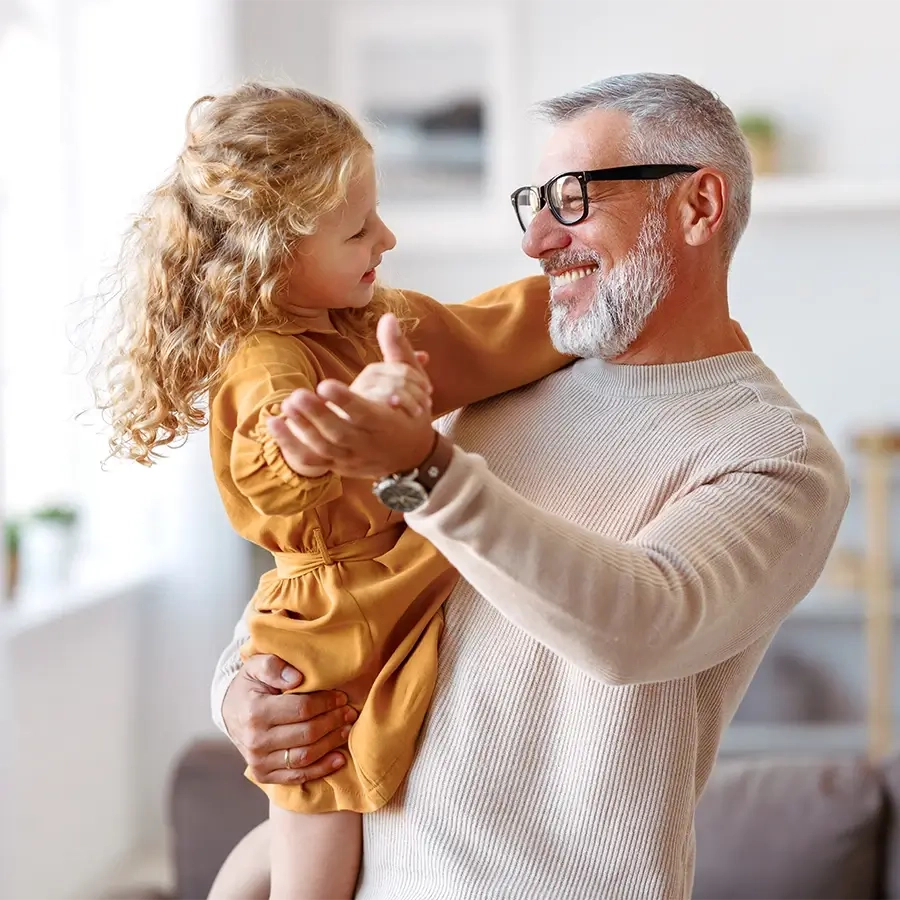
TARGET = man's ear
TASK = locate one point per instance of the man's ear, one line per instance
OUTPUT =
(703, 203)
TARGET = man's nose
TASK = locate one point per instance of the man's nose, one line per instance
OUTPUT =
(545, 235)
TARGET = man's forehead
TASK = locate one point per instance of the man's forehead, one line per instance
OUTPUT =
(593, 140)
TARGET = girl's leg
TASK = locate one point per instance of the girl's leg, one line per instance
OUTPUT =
(245, 873)
(314, 856)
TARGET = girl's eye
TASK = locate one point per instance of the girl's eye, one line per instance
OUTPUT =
(359, 234)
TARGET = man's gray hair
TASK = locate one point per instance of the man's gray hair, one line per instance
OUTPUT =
(674, 120)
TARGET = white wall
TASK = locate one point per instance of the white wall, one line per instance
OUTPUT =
(7, 781)
(142, 65)
(104, 698)
(828, 69)
(816, 293)
(103, 702)
(72, 736)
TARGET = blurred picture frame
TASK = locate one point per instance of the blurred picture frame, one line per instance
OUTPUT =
(435, 90)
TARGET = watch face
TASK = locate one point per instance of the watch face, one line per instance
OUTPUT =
(401, 495)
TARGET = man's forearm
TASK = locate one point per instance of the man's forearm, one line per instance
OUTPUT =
(706, 578)
(227, 667)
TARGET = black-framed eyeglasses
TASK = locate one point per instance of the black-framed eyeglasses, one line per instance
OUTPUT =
(566, 194)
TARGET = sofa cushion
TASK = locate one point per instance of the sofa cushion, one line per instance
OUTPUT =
(891, 773)
(212, 807)
(793, 828)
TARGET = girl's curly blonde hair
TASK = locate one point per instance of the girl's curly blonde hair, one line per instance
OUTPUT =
(205, 261)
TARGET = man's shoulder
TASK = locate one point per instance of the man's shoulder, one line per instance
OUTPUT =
(764, 421)
(773, 413)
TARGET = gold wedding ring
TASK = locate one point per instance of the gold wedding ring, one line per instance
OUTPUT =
(287, 759)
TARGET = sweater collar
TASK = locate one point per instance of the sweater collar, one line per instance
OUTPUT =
(672, 378)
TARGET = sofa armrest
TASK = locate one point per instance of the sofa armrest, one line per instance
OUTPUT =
(139, 894)
(212, 806)
(791, 829)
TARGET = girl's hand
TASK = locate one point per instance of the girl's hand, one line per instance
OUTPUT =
(396, 384)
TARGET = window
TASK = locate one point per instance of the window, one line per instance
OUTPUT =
(86, 134)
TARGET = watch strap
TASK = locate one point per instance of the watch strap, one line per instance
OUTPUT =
(435, 464)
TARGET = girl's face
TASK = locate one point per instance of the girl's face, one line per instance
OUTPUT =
(335, 267)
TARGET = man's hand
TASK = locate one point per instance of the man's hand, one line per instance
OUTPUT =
(264, 723)
(356, 437)
(296, 454)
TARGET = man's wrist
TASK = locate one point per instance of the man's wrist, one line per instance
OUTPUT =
(423, 459)
(418, 455)
(432, 468)
(407, 491)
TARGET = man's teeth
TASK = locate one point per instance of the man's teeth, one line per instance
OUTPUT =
(571, 275)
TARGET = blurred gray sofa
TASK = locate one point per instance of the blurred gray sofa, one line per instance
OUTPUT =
(767, 829)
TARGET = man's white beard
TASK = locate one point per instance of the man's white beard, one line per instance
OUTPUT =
(625, 297)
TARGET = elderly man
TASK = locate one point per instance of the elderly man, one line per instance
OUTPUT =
(630, 532)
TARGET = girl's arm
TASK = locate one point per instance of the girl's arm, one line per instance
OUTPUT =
(490, 344)
(258, 380)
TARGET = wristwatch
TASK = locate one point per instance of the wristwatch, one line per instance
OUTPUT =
(407, 491)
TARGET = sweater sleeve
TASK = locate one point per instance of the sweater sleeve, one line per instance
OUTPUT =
(247, 398)
(490, 344)
(717, 569)
(227, 667)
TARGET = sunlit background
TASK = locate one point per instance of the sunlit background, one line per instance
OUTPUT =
(123, 585)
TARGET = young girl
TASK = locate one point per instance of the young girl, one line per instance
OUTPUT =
(249, 274)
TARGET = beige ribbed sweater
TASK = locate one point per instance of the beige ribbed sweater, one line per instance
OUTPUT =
(629, 537)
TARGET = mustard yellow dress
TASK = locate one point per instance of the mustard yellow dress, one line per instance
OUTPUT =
(354, 600)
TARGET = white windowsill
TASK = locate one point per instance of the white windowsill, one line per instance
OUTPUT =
(823, 194)
(33, 609)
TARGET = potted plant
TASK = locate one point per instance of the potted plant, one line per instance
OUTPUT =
(761, 132)
(11, 566)
(47, 546)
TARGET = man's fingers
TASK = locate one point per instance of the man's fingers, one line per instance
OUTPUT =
(393, 343)
(304, 707)
(299, 456)
(324, 428)
(278, 738)
(272, 671)
(326, 766)
(358, 409)
(305, 755)
(308, 434)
